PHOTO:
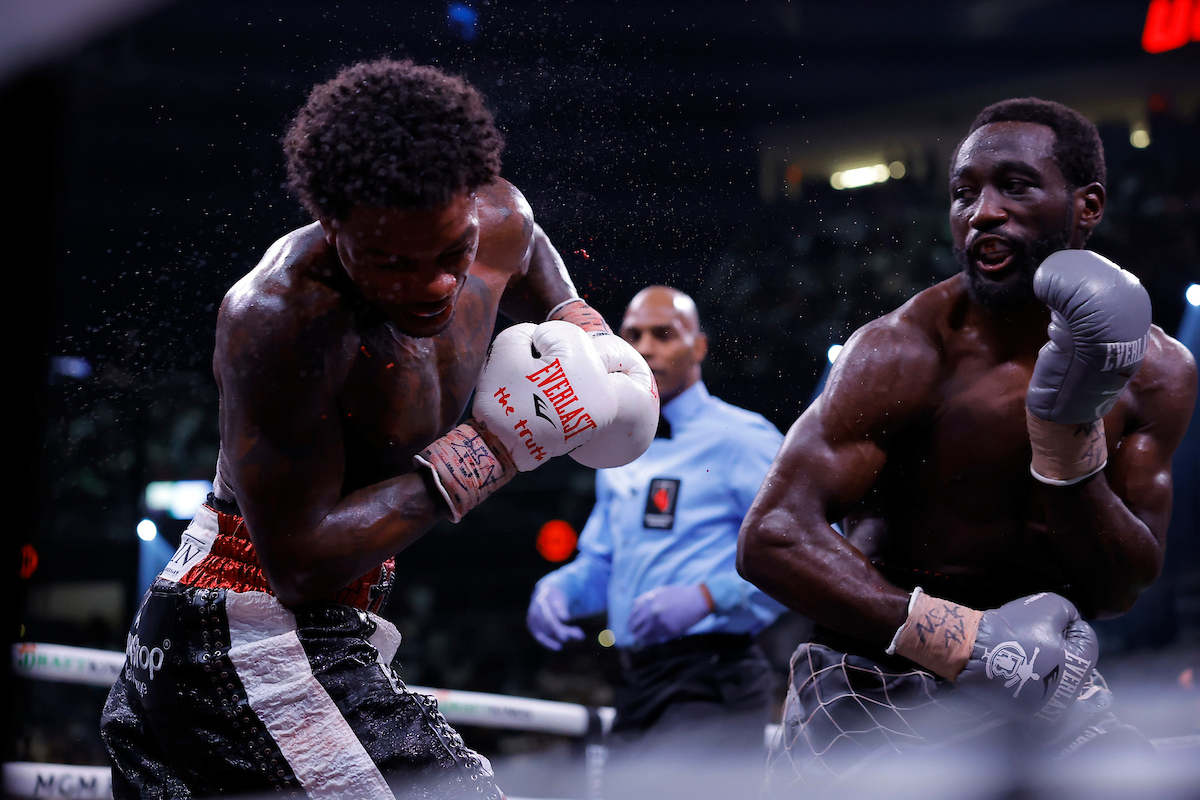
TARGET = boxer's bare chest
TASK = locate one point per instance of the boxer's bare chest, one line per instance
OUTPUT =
(402, 392)
(958, 488)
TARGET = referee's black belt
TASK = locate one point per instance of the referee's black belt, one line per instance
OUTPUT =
(715, 643)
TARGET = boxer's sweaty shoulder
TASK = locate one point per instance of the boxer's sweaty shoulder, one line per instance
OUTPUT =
(506, 230)
(887, 375)
(1163, 388)
(289, 309)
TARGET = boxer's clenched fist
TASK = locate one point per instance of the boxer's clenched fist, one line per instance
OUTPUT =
(637, 393)
(632, 428)
(1099, 327)
(1028, 659)
(1099, 323)
(544, 391)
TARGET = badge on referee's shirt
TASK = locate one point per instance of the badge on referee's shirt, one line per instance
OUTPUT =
(660, 503)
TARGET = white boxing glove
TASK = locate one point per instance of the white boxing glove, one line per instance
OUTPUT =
(544, 391)
(632, 428)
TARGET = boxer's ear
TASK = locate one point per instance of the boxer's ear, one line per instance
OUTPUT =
(1089, 210)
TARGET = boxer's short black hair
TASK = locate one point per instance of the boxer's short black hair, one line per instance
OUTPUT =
(390, 134)
(1077, 147)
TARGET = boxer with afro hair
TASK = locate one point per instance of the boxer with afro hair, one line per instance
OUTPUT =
(390, 134)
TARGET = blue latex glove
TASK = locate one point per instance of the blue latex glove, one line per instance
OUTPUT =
(667, 612)
(546, 615)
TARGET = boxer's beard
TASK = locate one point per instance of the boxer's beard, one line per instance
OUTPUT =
(1027, 256)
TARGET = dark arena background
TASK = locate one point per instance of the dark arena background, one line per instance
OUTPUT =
(697, 144)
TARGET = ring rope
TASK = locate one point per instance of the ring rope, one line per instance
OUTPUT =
(64, 663)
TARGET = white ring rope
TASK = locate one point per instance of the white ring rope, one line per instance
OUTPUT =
(66, 664)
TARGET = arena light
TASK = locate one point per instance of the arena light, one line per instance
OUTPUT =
(1139, 136)
(70, 367)
(556, 540)
(860, 176)
(147, 531)
(867, 176)
(180, 499)
(606, 638)
(464, 20)
(1170, 24)
(832, 352)
(1193, 294)
(29, 561)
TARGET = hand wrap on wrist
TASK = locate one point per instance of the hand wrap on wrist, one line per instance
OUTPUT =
(1064, 454)
(466, 468)
(578, 312)
(938, 635)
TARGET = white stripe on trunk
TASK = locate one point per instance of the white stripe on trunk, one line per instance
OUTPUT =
(328, 759)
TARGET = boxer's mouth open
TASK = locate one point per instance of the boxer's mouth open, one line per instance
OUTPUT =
(991, 253)
(428, 310)
(425, 316)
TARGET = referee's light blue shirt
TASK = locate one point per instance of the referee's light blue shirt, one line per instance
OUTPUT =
(672, 517)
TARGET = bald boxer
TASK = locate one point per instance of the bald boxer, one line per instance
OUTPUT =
(658, 552)
(998, 451)
(345, 360)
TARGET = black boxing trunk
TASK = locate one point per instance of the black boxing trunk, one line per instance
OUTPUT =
(226, 691)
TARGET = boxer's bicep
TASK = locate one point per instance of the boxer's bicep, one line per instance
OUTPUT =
(822, 470)
(513, 244)
(828, 464)
(1139, 469)
(1140, 477)
(288, 474)
(789, 549)
(815, 475)
(881, 382)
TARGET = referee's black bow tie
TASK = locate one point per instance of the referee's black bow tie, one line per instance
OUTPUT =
(664, 429)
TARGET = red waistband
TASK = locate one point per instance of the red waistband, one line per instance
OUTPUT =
(232, 564)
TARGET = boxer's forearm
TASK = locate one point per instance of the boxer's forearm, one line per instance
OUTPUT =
(359, 533)
(1108, 554)
(808, 567)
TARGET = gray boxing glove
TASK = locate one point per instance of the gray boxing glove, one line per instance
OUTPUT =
(1099, 328)
(1031, 658)
(1028, 659)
